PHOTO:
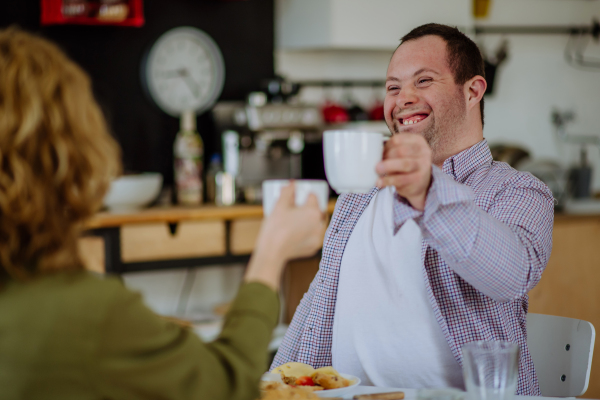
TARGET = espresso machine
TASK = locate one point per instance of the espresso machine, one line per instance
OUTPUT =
(275, 141)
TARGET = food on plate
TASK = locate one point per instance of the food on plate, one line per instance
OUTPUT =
(327, 370)
(304, 381)
(295, 369)
(328, 381)
(295, 374)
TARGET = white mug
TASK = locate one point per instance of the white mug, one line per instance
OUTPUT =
(271, 189)
(350, 159)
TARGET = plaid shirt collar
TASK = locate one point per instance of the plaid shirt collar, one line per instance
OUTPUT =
(460, 166)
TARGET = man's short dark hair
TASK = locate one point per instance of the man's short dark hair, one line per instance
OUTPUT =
(464, 57)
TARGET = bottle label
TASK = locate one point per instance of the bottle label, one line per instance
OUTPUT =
(188, 146)
(189, 184)
(188, 151)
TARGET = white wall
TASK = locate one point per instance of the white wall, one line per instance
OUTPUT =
(532, 81)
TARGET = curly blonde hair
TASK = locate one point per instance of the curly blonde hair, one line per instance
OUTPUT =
(57, 156)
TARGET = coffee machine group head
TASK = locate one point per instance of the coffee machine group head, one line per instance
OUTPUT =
(275, 141)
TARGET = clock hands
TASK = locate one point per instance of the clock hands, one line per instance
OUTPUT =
(192, 85)
(189, 81)
(171, 74)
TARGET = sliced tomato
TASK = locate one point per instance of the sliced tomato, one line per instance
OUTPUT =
(305, 381)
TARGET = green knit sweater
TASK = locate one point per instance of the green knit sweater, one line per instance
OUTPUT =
(77, 336)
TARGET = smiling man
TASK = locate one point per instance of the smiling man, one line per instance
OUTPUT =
(443, 251)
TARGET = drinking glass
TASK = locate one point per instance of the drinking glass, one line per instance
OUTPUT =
(491, 370)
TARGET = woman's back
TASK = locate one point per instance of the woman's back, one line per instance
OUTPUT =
(76, 336)
(65, 334)
(48, 331)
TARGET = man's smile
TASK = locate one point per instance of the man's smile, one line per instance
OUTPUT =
(412, 118)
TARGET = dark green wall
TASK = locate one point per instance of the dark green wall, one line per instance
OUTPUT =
(112, 55)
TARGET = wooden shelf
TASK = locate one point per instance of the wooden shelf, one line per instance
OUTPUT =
(143, 240)
(177, 214)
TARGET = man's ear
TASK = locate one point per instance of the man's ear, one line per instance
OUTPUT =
(474, 90)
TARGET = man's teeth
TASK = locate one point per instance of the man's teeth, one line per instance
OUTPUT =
(412, 121)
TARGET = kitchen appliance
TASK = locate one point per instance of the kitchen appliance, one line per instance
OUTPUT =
(553, 174)
(580, 175)
(276, 141)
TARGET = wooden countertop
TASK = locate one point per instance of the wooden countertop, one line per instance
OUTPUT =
(211, 212)
(561, 216)
(177, 213)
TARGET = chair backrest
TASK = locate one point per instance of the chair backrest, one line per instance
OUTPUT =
(562, 350)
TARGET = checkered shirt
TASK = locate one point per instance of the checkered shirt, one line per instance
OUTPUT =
(487, 237)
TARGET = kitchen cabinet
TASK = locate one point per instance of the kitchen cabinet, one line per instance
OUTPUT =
(540, 13)
(174, 237)
(155, 241)
(359, 24)
(244, 233)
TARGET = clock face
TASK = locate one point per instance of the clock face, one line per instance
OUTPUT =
(184, 70)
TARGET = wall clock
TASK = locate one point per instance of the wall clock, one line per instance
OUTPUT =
(183, 70)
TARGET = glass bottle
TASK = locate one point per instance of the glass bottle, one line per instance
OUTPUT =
(188, 152)
(213, 169)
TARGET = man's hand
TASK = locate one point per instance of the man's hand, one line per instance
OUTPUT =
(406, 165)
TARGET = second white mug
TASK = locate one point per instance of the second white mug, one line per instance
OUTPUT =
(350, 159)
(271, 189)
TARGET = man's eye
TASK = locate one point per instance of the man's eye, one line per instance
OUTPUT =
(391, 88)
(424, 80)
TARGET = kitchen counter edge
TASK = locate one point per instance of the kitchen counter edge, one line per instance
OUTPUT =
(175, 214)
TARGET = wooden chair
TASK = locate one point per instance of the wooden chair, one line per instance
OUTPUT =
(562, 350)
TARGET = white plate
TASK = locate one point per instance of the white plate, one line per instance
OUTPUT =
(341, 391)
(321, 393)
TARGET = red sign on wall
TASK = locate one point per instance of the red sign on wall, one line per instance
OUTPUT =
(92, 12)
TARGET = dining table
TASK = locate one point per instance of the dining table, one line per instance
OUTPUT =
(413, 394)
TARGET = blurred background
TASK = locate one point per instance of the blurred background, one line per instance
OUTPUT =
(543, 63)
(293, 68)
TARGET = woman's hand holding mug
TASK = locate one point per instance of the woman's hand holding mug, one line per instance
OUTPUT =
(289, 232)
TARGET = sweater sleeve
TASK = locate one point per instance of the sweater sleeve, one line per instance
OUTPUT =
(142, 356)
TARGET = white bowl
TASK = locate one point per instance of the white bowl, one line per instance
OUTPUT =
(132, 192)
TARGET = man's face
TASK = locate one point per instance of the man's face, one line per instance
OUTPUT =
(421, 95)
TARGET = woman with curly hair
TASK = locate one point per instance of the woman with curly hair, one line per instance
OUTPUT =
(67, 334)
